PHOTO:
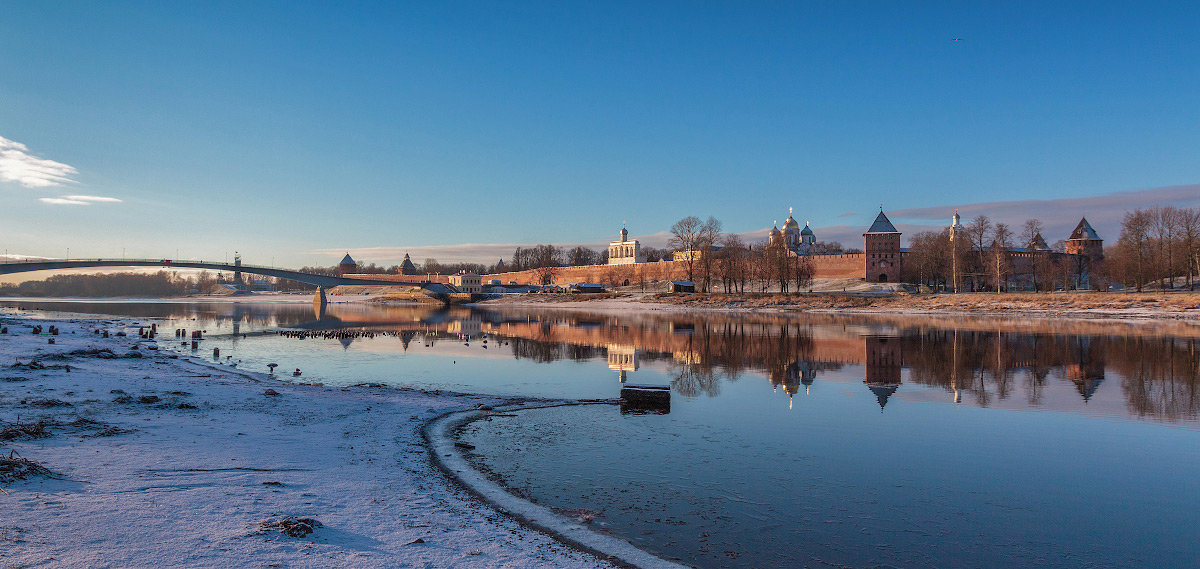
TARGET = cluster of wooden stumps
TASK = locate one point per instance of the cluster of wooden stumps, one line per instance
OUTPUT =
(183, 336)
(37, 330)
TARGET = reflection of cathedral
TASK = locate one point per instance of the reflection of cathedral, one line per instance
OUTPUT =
(798, 241)
(797, 373)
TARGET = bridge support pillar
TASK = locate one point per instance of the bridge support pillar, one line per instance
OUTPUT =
(319, 299)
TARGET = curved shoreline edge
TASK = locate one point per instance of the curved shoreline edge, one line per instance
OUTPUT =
(440, 443)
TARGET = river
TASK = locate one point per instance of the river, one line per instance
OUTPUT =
(788, 440)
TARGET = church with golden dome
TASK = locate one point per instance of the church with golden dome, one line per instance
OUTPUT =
(798, 241)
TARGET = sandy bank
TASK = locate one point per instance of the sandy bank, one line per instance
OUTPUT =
(161, 461)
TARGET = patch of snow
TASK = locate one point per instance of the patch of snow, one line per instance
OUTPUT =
(163, 484)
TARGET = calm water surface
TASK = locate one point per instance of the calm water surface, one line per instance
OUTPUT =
(799, 441)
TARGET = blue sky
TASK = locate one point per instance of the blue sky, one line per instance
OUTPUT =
(294, 131)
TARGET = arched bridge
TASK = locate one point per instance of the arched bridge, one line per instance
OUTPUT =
(321, 281)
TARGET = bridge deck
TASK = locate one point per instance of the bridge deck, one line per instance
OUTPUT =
(309, 278)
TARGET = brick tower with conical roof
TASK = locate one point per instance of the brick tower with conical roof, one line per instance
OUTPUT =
(881, 247)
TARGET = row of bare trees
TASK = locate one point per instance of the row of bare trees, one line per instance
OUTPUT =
(1158, 245)
(709, 256)
(989, 256)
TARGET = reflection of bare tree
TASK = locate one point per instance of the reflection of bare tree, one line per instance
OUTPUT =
(692, 380)
(1162, 386)
(694, 370)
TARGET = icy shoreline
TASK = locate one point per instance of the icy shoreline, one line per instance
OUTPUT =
(178, 463)
(977, 305)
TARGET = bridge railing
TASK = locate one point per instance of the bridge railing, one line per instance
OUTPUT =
(159, 261)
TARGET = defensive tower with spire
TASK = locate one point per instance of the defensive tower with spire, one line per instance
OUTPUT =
(347, 266)
(1088, 248)
(881, 244)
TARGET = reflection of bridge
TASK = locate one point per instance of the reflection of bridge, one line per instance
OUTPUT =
(307, 278)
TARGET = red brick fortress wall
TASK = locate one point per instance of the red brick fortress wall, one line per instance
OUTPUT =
(839, 266)
(825, 267)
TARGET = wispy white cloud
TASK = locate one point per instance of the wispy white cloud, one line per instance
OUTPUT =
(79, 200)
(19, 166)
(98, 199)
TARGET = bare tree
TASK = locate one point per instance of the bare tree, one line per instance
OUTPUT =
(579, 256)
(1189, 233)
(732, 263)
(1134, 247)
(1029, 234)
(546, 274)
(1164, 224)
(706, 241)
(979, 231)
(780, 265)
(928, 257)
(802, 270)
(1001, 236)
(685, 238)
(1031, 230)
(653, 254)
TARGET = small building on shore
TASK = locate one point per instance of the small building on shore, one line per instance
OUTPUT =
(467, 282)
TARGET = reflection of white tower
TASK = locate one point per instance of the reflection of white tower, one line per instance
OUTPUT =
(954, 363)
(622, 359)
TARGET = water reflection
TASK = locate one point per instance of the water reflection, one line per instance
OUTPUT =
(982, 362)
(893, 447)
(1149, 370)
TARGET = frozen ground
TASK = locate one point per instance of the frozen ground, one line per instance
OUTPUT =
(187, 480)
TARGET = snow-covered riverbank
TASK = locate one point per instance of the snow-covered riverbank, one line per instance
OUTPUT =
(160, 461)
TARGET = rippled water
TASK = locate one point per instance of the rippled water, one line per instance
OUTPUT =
(794, 441)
